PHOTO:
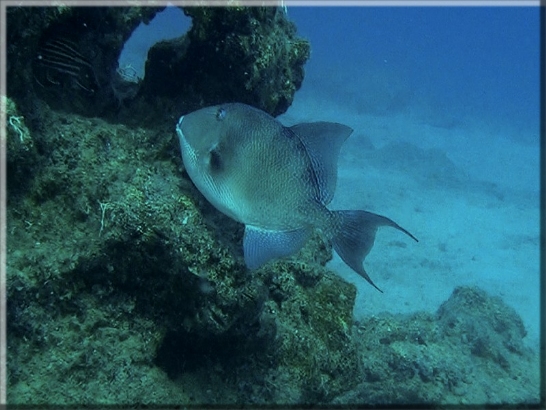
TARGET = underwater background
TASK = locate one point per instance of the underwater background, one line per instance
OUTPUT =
(124, 286)
(445, 103)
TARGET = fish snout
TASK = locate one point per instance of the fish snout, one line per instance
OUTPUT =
(179, 124)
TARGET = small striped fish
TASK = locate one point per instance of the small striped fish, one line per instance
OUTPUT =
(61, 62)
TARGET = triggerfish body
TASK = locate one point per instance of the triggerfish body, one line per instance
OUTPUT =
(276, 180)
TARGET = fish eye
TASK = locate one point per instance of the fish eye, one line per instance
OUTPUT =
(220, 114)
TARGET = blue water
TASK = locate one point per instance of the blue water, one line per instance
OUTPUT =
(479, 60)
(461, 86)
(483, 60)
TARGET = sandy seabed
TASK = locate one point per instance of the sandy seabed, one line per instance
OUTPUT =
(468, 190)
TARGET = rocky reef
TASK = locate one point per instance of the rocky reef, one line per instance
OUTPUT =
(117, 267)
(124, 286)
(249, 55)
(470, 352)
(68, 57)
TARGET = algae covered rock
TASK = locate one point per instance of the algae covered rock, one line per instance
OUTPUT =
(125, 286)
(110, 243)
(470, 352)
(68, 57)
(119, 274)
(246, 54)
(490, 328)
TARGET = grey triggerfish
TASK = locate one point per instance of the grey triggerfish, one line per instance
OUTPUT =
(276, 180)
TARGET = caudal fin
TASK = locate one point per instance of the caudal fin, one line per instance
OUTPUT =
(356, 238)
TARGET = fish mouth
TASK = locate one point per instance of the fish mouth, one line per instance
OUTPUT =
(184, 146)
(179, 132)
(179, 124)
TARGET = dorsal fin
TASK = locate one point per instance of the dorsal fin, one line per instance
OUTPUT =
(323, 141)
